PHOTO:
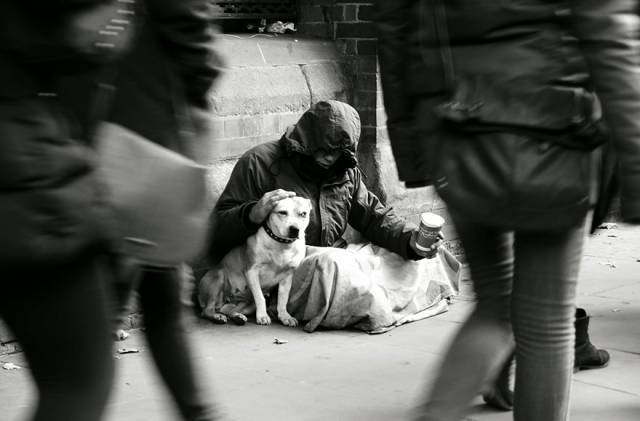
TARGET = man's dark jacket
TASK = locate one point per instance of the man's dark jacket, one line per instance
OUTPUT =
(339, 199)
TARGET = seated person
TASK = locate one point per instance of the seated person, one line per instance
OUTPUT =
(316, 159)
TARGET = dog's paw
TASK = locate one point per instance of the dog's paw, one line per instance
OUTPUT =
(219, 319)
(263, 319)
(239, 318)
(289, 320)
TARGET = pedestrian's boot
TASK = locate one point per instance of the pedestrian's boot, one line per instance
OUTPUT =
(587, 356)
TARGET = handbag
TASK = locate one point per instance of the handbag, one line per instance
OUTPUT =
(503, 158)
(158, 197)
(53, 208)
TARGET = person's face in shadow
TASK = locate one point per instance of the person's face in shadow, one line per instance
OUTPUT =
(326, 158)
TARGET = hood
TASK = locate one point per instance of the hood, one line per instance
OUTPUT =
(328, 125)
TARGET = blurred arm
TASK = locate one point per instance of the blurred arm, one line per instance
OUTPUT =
(186, 31)
(608, 33)
(393, 24)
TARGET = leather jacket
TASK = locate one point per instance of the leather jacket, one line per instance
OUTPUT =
(574, 63)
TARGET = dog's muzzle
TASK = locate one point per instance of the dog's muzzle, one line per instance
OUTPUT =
(294, 232)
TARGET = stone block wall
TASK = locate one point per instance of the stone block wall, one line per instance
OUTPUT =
(268, 83)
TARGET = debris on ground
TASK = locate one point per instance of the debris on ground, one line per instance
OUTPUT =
(280, 341)
(128, 350)
(608, 226)
(610, 264)
(120, 335)
(279, 27)
(11, 366)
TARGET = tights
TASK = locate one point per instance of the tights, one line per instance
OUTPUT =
(524, 280)
(60, 316)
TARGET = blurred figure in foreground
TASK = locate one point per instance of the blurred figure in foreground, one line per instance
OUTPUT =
(494, 103)
(53, 213)
(161, 93)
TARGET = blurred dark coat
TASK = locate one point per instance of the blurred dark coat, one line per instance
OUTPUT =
(339, 197)
(52, 207)
(52, 204)
(163, 83)
(553, 53)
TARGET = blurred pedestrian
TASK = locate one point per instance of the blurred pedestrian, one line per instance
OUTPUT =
(161, 93)
(495, 104)
(53, 214)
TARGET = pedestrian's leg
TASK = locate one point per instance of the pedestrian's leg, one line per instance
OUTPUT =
(123, 282)
(543, 311)
(160, 298)
(60, 317)
(485, 339)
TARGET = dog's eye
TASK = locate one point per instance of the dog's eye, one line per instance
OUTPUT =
(303, 214)
(283, 213)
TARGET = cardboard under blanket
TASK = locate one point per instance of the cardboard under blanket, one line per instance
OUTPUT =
(370, 288)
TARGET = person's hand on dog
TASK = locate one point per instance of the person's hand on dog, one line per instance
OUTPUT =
(433, 250)
(267, 202)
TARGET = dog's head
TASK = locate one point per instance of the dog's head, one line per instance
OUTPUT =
(290, 217)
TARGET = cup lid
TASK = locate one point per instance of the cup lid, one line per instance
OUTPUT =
(432, 220)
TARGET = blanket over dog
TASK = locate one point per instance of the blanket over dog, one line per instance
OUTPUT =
(370, 288)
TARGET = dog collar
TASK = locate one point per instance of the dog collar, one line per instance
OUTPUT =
(277, 237)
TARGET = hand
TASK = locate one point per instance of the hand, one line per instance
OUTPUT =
(267, 202)
(433, 250)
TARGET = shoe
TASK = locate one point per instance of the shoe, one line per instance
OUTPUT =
(500, 394)
(587, 356)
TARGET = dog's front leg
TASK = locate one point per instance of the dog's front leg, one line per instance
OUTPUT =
(284, 288)
(253, 279)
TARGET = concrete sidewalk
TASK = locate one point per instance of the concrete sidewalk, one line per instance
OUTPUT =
(351, 376)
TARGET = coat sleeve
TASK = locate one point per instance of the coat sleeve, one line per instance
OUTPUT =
(185, 28)
(608, 34)
(230, 218)
(393, 28)
(379, 223)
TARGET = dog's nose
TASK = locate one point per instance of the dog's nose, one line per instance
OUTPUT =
(294, 232)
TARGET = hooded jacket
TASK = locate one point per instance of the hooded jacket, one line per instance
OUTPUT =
(552, 55)
(339, 196)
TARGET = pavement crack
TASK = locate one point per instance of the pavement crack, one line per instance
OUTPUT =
(613, 389)
(624, 351)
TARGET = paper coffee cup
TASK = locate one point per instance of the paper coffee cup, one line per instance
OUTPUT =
(430, 226)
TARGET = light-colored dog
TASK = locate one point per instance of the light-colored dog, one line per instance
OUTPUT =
(268, 258)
